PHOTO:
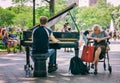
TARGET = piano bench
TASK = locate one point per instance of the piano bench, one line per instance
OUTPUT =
(40, 65)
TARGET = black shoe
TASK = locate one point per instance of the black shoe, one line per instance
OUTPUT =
(64, 50)
(52, 68)
(92, 66)
(68, 51)
(71, 50)
(95, 72)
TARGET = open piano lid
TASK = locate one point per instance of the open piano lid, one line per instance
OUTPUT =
(59, 16)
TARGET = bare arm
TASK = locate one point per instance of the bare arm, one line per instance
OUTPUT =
(104, 38)
(53, 38)
(91, 38)
(99, 39)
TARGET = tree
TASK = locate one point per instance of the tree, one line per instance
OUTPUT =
(23, 18)
(6, 17)
(96, 14)
(45, 10)
(51, 6)
(115, 14)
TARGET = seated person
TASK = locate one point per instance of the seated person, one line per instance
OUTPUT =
(85, 34)
(0, 32)
(4, 37)
(99, 38)
(12, 40)
(41, 36)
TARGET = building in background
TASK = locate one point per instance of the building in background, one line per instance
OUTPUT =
(83, 3)
(114, 2)
(92, 2)
(87, 3)
(72, 1)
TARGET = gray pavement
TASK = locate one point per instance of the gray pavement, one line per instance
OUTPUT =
(12, 69)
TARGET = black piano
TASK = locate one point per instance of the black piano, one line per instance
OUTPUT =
(67, 39)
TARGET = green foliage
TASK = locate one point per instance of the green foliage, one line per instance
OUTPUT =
(21, 2)
(101, 13)
(23, 16)
(97, 14)
(6, 17)
(60, 6)
(116, 16)
(14, 9)
(101, 4)
(22, 19)
(43, 11)
(20, 9)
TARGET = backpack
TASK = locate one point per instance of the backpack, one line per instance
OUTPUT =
(77, 66)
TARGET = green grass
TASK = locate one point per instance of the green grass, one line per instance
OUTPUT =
(2, 48)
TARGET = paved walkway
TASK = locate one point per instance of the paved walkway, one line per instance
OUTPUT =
(12, 69)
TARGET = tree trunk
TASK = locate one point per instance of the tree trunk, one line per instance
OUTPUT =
(52, 3)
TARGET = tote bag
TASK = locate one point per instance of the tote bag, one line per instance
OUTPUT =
(88, 53)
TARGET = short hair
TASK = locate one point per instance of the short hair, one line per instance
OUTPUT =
(43, 20)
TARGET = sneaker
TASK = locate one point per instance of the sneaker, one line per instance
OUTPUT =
(95, 72)
(15, 51)
(92, 66)
(52, 68)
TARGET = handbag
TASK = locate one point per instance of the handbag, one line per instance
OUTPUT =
(88, 53)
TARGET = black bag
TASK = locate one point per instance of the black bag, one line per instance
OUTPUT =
(77, 66)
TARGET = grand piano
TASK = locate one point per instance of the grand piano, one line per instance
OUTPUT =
(67, 39)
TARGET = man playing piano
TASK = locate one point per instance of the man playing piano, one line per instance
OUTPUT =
(41, 36)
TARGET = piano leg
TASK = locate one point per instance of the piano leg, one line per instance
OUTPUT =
(55, 55)
(27, 56)
(20, 42)
(28, 67)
